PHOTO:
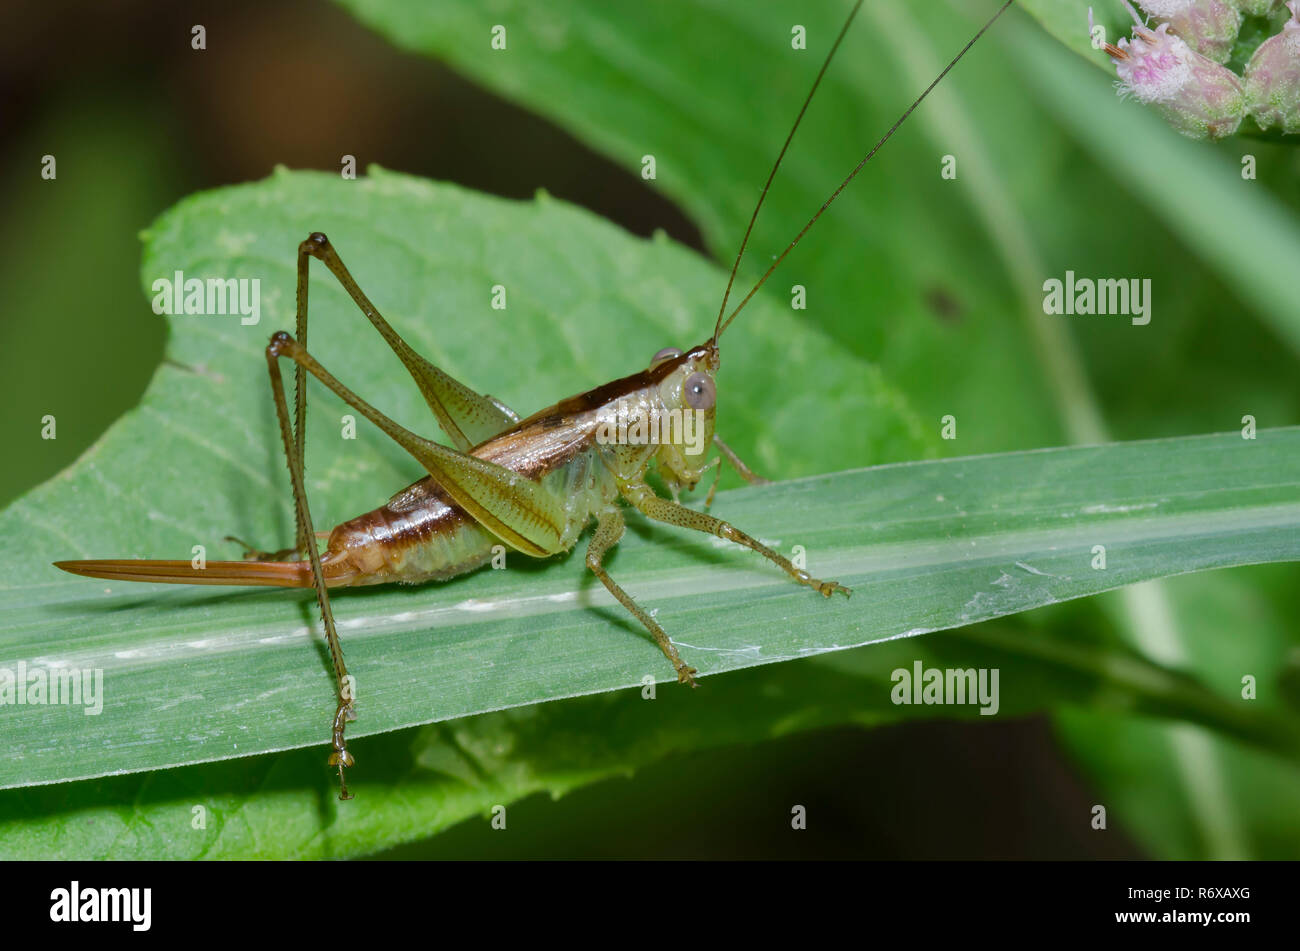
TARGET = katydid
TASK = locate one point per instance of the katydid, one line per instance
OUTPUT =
(532, 484)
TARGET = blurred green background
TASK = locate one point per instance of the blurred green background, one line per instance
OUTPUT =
(137, 120)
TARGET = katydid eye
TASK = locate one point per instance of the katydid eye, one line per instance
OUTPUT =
(699, 391)
(667, 353)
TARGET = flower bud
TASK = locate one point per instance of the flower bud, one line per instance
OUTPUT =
(1197, 96)
(1207, 26)
(1256, 8)
(1273, 77)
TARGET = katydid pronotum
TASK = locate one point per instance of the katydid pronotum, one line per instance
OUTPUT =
(533, 484)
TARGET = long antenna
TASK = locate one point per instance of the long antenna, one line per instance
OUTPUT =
(857, 168)
(722, 309)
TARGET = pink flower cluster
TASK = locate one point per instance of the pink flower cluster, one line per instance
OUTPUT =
(1273, 77)
(1177, 67)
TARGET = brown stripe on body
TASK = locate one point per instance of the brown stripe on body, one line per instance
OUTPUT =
(567, 410)
(419, 535)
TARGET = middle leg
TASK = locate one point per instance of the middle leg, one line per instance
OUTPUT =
(609, 529)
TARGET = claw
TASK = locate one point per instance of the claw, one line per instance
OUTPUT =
(344, 795)
(341, 758)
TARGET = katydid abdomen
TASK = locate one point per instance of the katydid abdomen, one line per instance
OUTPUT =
(419, 535)
(408, 540)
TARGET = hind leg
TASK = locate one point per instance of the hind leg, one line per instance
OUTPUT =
(252, 553)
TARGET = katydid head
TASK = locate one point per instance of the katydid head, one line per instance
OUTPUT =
(688, 394)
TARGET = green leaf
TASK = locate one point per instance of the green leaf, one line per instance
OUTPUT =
(1056, 173)
(1067, 20)
(270, 795)
(421, 781)
(199, 459)
(192, 675)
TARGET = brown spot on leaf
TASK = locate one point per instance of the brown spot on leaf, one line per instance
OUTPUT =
(944, 305)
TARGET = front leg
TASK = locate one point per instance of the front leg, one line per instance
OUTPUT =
(663, 510)
(746, 473)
